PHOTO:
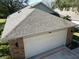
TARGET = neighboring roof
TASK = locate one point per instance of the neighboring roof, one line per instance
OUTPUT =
(31, 21)
(42, 6)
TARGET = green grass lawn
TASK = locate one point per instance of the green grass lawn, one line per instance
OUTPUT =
(76, 33)
(6, 57)
(76, 36)
(4, 47)
(2, 21)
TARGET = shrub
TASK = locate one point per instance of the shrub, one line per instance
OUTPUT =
(4, 49)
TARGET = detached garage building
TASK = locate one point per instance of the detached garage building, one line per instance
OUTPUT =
(34, 30)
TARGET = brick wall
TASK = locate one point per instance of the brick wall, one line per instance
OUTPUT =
(69, 36)
(17, 48)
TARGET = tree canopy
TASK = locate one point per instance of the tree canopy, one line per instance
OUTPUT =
(67, 4)
(8, 7)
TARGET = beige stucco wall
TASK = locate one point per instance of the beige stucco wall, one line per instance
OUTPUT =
(41, 43)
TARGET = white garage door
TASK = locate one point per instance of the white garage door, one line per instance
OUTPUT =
(41, 43)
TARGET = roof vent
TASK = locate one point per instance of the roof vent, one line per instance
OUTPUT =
(19, 11)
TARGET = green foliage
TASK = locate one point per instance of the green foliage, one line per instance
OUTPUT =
(61, 4)
(8, 7)
(67, 18)
(6, 57)
(2, 23)
(1, 31)
(4, 43)
(4, 49)
(76, 30)
(75, 37)
(73, 45)
(4, 46)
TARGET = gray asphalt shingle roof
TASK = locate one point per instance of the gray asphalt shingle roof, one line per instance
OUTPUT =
(32, 21)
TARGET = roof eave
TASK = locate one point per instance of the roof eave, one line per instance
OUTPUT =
(30, 35)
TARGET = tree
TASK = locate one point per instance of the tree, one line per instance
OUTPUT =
(67, 17)
(8, 7)
(67, 4)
